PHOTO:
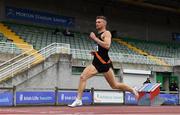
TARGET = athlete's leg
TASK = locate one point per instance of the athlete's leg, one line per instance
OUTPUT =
(88, 72)
(110, 77)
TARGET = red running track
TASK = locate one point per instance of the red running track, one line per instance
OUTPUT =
(120, 110)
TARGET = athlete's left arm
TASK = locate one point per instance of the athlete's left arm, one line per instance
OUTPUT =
(106, 36)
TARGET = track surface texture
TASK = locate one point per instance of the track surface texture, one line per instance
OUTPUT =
(120, 110)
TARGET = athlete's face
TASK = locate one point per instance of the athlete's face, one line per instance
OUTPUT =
(100, 23)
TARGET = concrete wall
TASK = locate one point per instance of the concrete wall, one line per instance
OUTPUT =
(60, 75)
(135, 80)
(129, 21)
(56, 71)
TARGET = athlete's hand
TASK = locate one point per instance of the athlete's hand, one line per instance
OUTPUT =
(92, 36)
(92, 53)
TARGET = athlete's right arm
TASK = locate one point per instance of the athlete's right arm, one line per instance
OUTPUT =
(106, 39)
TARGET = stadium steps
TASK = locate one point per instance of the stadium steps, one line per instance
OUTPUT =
(153, 58)
(17, 41)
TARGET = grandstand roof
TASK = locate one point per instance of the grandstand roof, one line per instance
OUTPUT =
(166, 5)
(163, 5)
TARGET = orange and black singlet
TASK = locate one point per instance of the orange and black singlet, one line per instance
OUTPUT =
(101, 59)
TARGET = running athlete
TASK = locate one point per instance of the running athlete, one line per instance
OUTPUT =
(101, 63)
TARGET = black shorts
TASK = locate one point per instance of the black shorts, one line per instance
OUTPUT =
(101, 68)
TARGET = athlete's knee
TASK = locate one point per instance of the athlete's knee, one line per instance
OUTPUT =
(83, 78)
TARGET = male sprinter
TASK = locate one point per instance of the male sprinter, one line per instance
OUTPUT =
(101, 62)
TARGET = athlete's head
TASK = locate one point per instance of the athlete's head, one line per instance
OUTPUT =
(101, 22)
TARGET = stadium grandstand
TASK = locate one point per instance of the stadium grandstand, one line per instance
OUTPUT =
(45, 45)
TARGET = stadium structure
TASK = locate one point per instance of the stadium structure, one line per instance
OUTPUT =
(36, 53)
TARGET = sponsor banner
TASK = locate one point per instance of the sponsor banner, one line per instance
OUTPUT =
(39, 17)
(67, 97)
(170, 99)
(6, 98)
(130, 98)
(115, 97)
(35, 97)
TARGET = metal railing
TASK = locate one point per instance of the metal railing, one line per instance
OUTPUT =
(120, 57)
(11, 69)
(13, 66)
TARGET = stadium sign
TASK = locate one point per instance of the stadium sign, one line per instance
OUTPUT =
(39, 17)
(68, 96)
(6, 99)
(130, 98)
(114, 97)
(170, 99)
(35, 98)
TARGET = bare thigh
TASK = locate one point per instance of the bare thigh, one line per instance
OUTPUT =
(110, 77)
(89, 71)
